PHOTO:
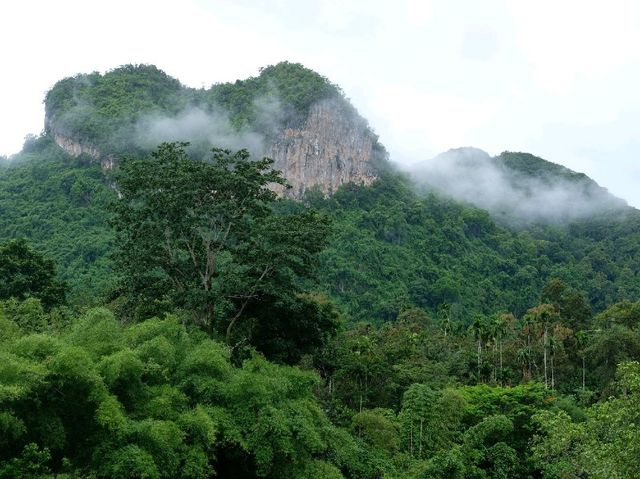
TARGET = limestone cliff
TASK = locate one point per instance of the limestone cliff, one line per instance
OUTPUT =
(76, 146)
(332, 147)
(289, 113)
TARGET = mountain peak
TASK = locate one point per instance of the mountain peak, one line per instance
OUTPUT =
(518, 188)
(288, 112)
(463, 154)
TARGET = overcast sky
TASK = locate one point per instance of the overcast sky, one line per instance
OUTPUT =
(559, 78)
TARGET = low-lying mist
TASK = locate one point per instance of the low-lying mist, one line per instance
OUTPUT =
(202, 123)
(205, 127)
(515, 187)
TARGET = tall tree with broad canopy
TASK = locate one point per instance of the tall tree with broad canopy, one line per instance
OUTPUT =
(201, 235)
(26, 273)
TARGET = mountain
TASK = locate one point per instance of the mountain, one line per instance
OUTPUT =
(395, 248)
(289, 113)
(464, 319)
(475, 232)
(516, 188)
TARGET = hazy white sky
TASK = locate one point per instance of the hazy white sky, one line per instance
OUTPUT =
(556, 78)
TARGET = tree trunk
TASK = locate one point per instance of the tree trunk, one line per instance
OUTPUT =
(544, 344)
(479, 358)
(529, 356)
(493, 360)
(501, 374)
(420, 446)
(411, 438)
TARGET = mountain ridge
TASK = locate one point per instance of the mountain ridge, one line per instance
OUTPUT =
(298, 118)
(516, 187)
(315, 136)
(429, 248)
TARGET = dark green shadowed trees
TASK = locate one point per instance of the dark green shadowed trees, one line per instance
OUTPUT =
(202, 236)
(26, 273)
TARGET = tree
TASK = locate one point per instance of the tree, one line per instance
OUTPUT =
(606, 444)
(547, 320)
(480, 330)
(26, 273)
(158, 400)
(485, 446)
(203, 236)
(378, 427)
(625, 313)
(429, 419)
(607, 349)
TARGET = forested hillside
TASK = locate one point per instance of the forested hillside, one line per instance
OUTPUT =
(59, 204)
(394, 248)
(164, 313)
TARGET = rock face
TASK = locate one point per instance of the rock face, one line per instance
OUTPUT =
(75, 147)
(332, 147)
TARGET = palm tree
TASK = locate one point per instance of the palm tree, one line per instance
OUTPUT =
(503, 325)
(479, 329)
(528, 328)
(583, 342)
(544, 317)
(444, 313)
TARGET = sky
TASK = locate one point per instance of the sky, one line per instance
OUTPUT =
(556, 78)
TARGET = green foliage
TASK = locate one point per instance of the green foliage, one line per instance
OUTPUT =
(606, 445)
(28, 315)
(59, 205)
(624, 313)
(32, 464)
(606, 349)
(203, 236)
(378, 428)
(100, 109)
(462, 335)
(430, 419)
(155, 400)
(393, 249)
(475, 432)
(527, 166)
(370, 367)
(25, 273)
(294, 87)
